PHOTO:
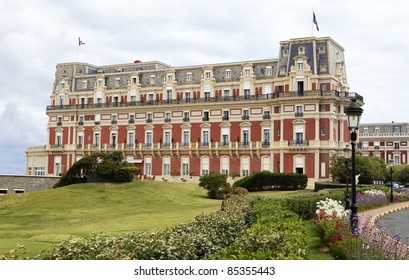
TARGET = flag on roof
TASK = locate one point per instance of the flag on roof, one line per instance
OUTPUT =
(80, 42)
(314, 20)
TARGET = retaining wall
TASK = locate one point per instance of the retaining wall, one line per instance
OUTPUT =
(21, 183)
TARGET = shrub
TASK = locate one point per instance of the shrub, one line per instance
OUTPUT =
(203, 237)
(277, 234)
(213, 183)
(266, 180)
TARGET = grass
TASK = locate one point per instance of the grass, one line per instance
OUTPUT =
(37, 219)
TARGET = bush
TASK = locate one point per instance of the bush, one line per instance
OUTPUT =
(202, 238)
(277, 234)
(214, 183)
(265, 180)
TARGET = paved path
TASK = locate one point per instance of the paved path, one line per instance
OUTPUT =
(393, 219)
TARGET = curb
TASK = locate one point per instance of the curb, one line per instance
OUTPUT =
(377, 216)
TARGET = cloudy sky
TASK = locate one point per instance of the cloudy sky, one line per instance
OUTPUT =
(35, 35)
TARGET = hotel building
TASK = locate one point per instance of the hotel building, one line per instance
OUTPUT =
(283, 115)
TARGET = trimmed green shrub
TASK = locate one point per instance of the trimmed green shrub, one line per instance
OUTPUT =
(265, 180)
(205, 236)
(277, 234)
(214, 183)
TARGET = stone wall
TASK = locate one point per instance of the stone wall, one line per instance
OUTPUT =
(20, 183)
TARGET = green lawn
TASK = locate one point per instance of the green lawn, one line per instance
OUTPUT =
(37, 219)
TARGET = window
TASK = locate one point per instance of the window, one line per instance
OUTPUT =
(207, 75)
(166, 169)
(186, 138)
(226, 94)
(149, 139)
(186, 117)
(80, 141)
(185, 169)
(224, 165)
(113, 139)
(269, 71)
(170, 77)
(150, 98)
(148, 166)
(149, 117)
(245, 166)
(114, 119)
(205, 116)
(59, 140)
(225, 136)
(246, 114)
(97, 140)
(228, 73)
(61, 100)
(299, 112)
(131, 138)
(185, 166)
(396, 129)
(207, 96)
(167, 117)
(117, 82)
(188, 76)
(81, 120)
(100, 83)
(225, 116)
(131, 119)
(376, 130)
(300, 66)
(169, 96)
(205, 166)
(246, 137)
(247, 72)
(167, 138)
(266, 115)
(152, 80)
(397, 145)
(299, 137)
(323, 131)
(187, 96)
(396, 159)
(205, 137)
(57, 169)
(266, 137)
(62, 85)
(247, 93)
(39, 171)
(133, 80)
(376, 145)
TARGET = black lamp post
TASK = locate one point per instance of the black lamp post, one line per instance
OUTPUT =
(353, 112)
(391, 162)
(347, 155)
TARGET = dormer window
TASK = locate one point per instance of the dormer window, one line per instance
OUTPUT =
(152, 80)
(269, 71)
(247, 72)
(170, 77)
(207, 75)
(228, 73)
(188, 76)
(300, 66)
(117, 82)
(84, 84)
(62, 85)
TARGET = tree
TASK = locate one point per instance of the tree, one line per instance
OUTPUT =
(400, 173)
(213, 183)
(102, 167)
(370, 169)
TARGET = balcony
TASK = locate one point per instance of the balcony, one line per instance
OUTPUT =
(205, 119)
(79, 146)
(245, 117)
(225, 118)
(81, 123)
(186, 119)
(299, 114)
(266, 117)
(265, 144)
(346, 95)
(97, 122)
(59, 123)
(168, 120)
(149, 120)
(114, 122)
(131, 121)
(298, 144)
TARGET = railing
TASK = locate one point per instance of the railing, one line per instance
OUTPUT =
(298, 143)
(207, 99)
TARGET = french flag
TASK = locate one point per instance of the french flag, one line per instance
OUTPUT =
(314, 20)
(80, 42)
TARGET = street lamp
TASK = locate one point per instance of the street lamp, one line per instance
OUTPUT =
(353, 112)
(347, 155)
(391, 162)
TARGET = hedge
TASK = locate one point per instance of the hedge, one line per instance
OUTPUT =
(266, 180)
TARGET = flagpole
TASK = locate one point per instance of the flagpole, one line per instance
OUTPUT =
(312, 24)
